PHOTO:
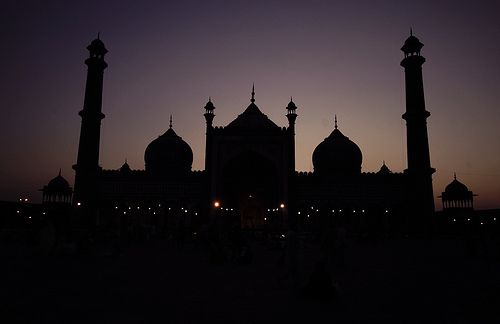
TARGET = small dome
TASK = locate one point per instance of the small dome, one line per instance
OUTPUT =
(58, 184)
(456, 187)
(384, 170)
(97, 43)
(412, 45)
(209, 105)
(338, 155)
(97, 47)
(125, 167)
(291, 106)
(169, 153)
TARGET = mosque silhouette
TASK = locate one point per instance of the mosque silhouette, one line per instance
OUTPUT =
(250, 178)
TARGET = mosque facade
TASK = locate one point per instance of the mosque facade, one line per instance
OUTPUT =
(250, 177)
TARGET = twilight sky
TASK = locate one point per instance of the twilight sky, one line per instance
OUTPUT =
(168, 57)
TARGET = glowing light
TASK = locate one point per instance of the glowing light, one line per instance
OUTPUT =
(298, 213)
(454, 219)
(216, 204)
(265, 218)
(186, 211)
(282, 205)
(29, 217)
(78, 203)
(386, 211)
(116, 207)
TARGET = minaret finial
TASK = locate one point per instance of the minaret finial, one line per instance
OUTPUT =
(336, 121)
(170, 126)
(253, 93)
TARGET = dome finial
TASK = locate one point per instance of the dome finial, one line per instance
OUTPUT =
(170, 126)
(98, 34)
(455, 175)
(336, 121)
(253, 93)
(411, 31)
(59, 171)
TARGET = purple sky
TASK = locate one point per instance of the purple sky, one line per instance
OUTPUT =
(168, 57)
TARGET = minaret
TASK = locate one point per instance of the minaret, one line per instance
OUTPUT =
(291, 115)
(419, 165)
(291, 191)
(87, 166)
(209, 117)
(210, 192)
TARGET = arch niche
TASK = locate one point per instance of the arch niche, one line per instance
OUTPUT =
(250, 185)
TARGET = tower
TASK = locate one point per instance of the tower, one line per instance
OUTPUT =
(87, 167)
(419, 169)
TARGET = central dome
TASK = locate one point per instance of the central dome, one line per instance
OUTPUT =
(252, 119)
(169, 154)
(337, 155)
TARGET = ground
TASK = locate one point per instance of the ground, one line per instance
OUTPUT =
(396, 280)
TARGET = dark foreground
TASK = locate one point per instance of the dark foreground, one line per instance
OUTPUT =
(398, 280)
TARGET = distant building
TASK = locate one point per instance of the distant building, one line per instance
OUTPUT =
(458, 214)
(250, 178)
(457, 197)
